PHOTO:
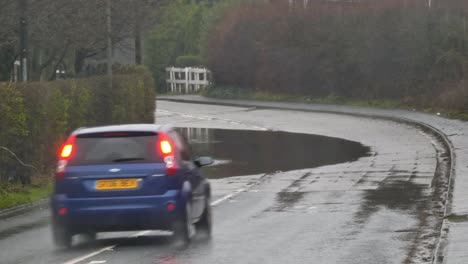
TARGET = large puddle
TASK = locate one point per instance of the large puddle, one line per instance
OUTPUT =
(247, 152)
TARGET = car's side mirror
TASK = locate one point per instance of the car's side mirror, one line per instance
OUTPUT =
(204, 161)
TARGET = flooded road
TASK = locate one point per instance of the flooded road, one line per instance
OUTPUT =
(325, 188)
(247, 152)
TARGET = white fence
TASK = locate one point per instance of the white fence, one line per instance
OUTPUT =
(187, 80)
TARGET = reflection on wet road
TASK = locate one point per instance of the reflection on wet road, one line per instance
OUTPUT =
(253, 152)
(311, 199)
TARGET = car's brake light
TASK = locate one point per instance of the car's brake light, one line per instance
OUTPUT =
(67, 149)
(166, 150)
(166, 147)
(116, 134)
(62, 211)
(65, 153)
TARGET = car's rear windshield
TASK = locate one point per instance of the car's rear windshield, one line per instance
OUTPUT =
(115, 147)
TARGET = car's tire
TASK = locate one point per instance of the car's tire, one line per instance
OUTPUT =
(183, 227)
(205, 224)
(62, 236)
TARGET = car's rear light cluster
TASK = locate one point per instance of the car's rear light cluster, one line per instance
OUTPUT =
(65, 153)
(166, 150)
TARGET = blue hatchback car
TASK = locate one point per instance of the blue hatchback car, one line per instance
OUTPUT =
(129, 177)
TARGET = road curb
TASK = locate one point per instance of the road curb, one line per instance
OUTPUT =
(20, 209)
(439, 252)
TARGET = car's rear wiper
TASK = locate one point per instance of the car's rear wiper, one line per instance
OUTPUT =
(127, 159)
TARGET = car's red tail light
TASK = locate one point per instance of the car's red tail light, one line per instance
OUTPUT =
(166, 147)
(67, 149)
(65, 153)
(170, 165)
(170, 206)
(60, 170)
(166, 150)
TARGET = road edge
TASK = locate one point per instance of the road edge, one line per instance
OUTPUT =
(20, 209)
(438, 255)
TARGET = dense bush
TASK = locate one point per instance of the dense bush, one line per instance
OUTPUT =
(389, 49)
(13, 128)
(36, 117)
(188, 61)
(177, 33)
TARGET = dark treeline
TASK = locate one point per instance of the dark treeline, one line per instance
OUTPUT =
(388, 49)
(64, 34)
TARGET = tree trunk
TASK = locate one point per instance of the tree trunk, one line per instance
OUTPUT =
(80, 56)
(137, 34)
(138, 51)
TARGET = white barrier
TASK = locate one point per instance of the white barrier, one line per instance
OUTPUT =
(187, 80)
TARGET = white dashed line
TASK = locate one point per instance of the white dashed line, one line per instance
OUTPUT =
(227, 197)
(142, 233)
(90, 255)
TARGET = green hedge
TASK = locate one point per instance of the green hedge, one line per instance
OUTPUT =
(36, 117)
(189, 61)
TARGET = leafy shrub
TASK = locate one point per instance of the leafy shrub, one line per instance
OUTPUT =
(188, 61)
(176, 33)
(37, 116)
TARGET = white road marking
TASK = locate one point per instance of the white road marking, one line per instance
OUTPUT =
(145, 232)
(227, 197)
(90, 255)
(97, 262)
(209, 118)
(141, 233)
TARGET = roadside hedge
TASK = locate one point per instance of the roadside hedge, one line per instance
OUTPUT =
(36, 117)
(189, 61)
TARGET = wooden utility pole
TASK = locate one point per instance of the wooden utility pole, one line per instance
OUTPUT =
(109, 40)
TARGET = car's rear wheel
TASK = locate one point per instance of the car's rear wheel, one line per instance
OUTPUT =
(62, 236)
(206, 221)
(183, 228)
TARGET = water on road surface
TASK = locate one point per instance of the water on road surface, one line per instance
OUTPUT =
(247, 152)
(369, 197)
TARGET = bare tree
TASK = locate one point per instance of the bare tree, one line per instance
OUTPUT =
(9, 22)
(65, 33)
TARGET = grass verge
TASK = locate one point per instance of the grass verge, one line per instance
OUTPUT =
(14, 194)
(237, 93)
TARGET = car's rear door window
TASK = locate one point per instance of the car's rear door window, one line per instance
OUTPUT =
(115, 147)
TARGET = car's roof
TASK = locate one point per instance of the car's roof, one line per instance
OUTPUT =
(122, 128)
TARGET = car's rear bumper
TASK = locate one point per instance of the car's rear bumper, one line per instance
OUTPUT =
(116, 213)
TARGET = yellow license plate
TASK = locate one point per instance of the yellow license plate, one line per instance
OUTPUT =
(117, 184)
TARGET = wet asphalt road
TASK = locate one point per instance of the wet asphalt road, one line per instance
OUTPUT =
(377, 209)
